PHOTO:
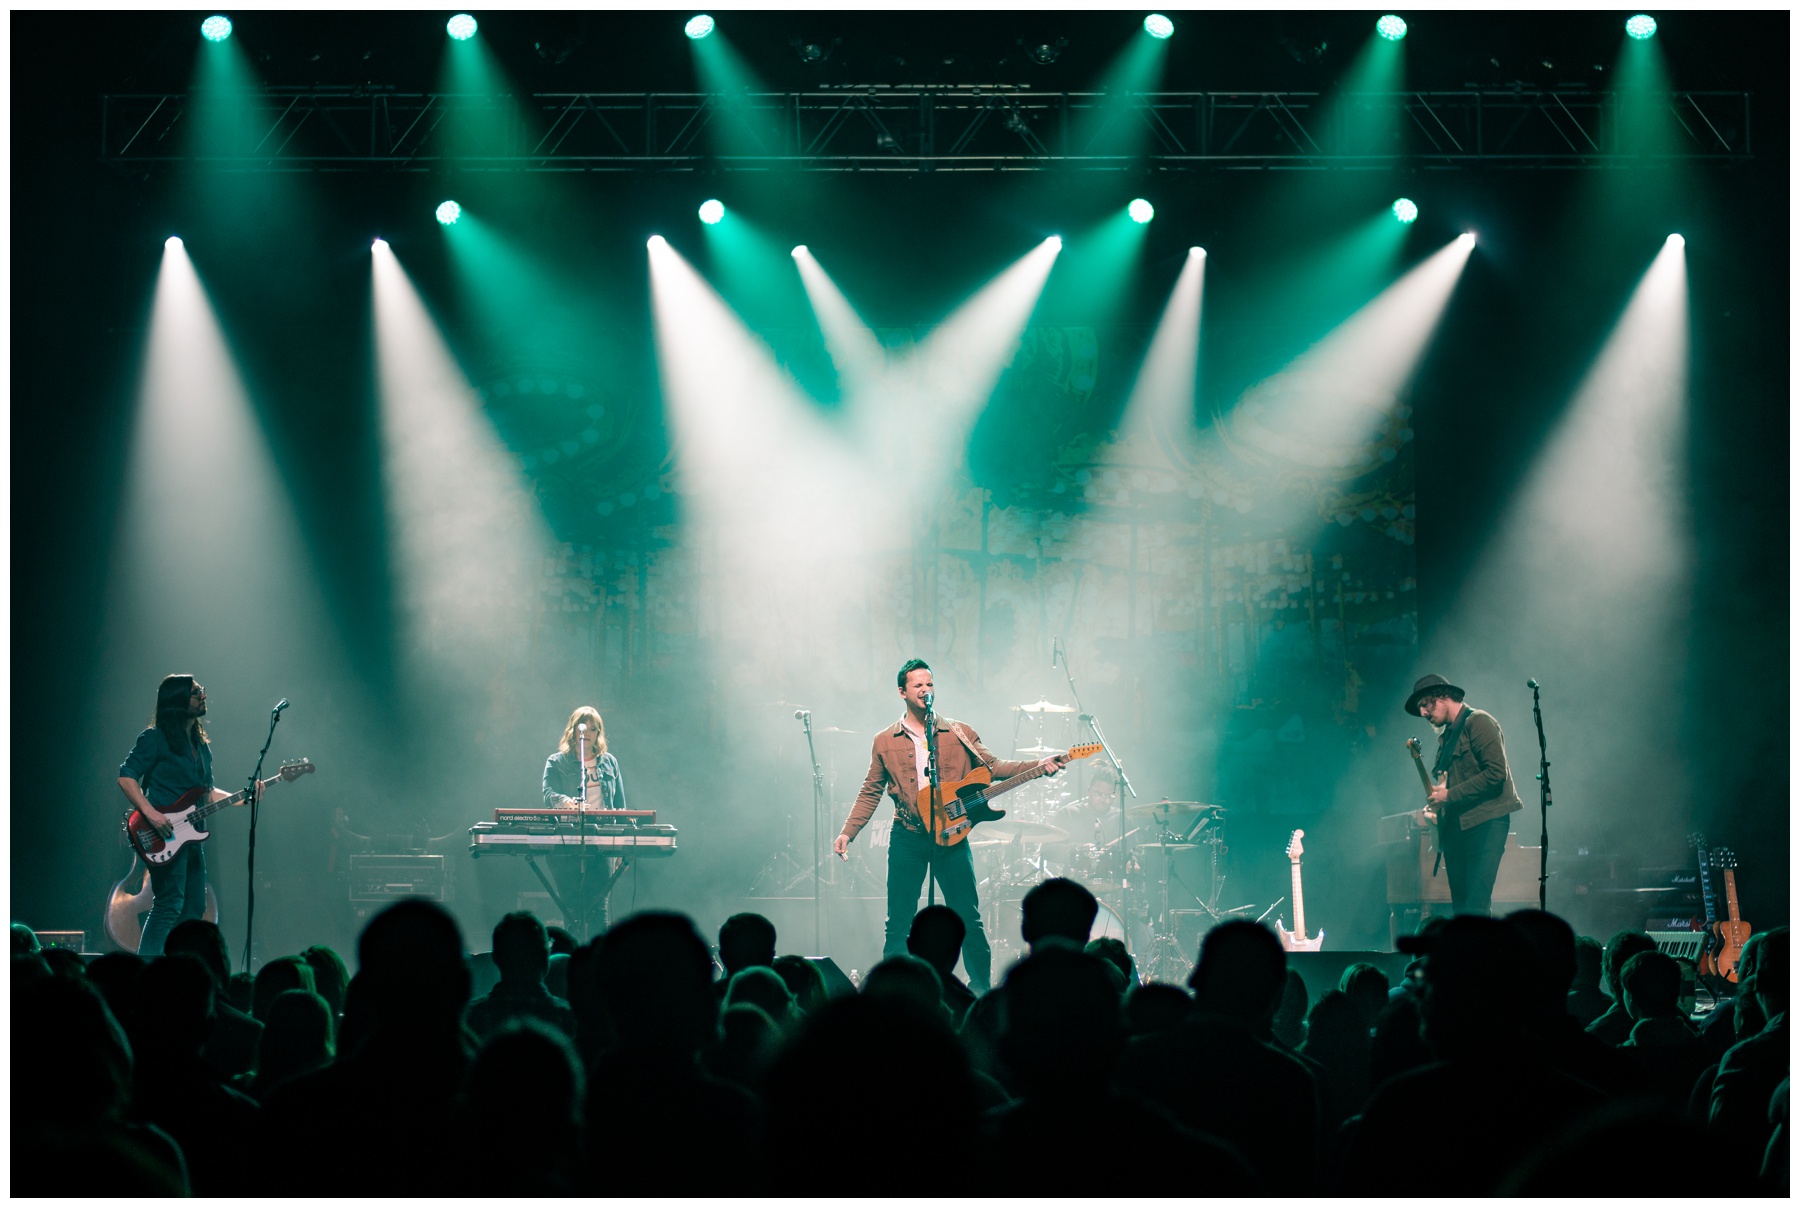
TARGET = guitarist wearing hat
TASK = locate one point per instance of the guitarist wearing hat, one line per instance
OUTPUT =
(1473, 791)
(898, 765)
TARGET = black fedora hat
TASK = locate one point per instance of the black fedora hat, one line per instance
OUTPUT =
(1430, 683)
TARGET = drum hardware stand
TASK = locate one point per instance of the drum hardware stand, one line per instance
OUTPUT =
(805, 717)
(1059, 653)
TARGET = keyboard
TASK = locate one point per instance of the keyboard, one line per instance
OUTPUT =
(653, 840)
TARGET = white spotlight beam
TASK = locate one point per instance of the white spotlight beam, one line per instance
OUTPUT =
(1162, 398)
(468, 537)
(852, 345)
(1341, 387)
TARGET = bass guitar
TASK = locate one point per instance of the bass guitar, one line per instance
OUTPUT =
(191, 808)
(1430, 811)
(1295, 940)
(1707, 964)
(964, 803)
(1733, 932)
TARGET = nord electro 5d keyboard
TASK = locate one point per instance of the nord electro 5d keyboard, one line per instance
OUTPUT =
(533, 831)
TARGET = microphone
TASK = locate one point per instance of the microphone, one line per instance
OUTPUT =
(929, 697)
(1055, 644)
(280, 706)
(581, 727)
(802, 713)
(1532, 684)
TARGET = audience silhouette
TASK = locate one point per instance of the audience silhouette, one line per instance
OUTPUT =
(1490, 1069)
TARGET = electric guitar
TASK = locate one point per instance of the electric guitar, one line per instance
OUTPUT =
(1295, 940)
(1709, 947)
(1430, 811)
(964, 803)
(188, 810)
(1733, 932)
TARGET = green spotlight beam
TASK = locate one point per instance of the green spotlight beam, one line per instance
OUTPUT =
(1107, 126)
(754, 273)
(488, 120)
(1098, 268)
(734, 125)
(851, 343)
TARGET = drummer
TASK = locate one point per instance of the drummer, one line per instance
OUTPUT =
(1092, 823)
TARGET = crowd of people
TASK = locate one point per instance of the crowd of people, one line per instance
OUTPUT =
(1513, 1058)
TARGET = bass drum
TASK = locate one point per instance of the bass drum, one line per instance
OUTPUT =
(1108, 925)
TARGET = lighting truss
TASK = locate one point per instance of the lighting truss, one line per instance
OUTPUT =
(909, 129)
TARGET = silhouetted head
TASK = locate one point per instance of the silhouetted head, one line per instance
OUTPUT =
(761, 987)
(1620, 948)
(526, 1071)
(748, 1042)
(331, 977)
(936, 937)
(803, 980)
(1156, 1007)
(1063, 1029)
(1242, 973)
(1478, 985)
(521, 948)
(1651, 984)
(1289, 1024)
(115, 975)
(562, 941)
(1553, 969)
(655, 977)
(176, 1003)
(746, 940)
(1368, 988)
(411, 968)
(907, 979)
(64, 962)
(280, 975)
(1588, 955)
(70, 1061)
(300, 1035)
(1057, 910)
(1772, 972)
(204, 940)
(1112, 950)
(1335, 1026)
(24, 940)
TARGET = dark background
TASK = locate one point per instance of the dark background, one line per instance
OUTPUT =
(293, 297)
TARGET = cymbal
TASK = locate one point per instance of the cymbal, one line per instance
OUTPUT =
(835, 730)
(1028, 832)
(1168, 809)
(1171, 846)
(1040, 750)
(1043, 706)
(985, 838)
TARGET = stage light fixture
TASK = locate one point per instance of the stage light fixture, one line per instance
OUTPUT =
(656, 241)
(1055, 241)
(799, 251)
(462, 27)
(712, 211)
(216, 28)
(1406, 210)
(1141, 211)
(1391, 27)
(1158, 26)
(1672, 240)
(1642, 26)
(379, 245)
(698, 27)
(175, 241)
(1196, 251)
(448, 212)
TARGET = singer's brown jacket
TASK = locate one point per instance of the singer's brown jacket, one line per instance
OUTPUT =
(1480, 780)
(892, 766)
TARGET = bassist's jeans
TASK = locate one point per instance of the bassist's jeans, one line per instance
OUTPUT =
(1472, 862)
(178, 893)
(910, 855)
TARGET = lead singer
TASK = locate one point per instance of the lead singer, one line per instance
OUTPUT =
(898, 762)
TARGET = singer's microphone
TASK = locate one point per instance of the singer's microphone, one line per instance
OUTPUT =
(800, 713)
(282, 705)
(581, 727)
(1532, 684)
(1054, 643)
(929, 697)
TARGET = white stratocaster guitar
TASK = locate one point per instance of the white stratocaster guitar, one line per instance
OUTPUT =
(1295, 940)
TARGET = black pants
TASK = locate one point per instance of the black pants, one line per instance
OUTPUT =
(1472, 862)
(910, 856)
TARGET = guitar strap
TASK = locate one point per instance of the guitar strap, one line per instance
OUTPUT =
(1447, 746)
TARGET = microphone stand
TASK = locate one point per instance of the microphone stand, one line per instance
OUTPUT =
(1537, 715)
(255, 813)
(581, 898)
(931, 804)
(1093, 723)
(812, 753)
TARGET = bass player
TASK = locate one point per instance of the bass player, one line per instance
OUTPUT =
(899, 762)
(171, 758)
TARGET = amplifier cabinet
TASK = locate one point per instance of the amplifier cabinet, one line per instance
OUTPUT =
(1410, 861)
(386, 878)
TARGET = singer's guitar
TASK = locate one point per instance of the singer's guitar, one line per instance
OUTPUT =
(1295, 940)
(964, 803)
(1412, 744)
(1733, 932)
(191, 808)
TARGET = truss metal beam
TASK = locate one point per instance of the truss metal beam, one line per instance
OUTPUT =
(900, 129)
